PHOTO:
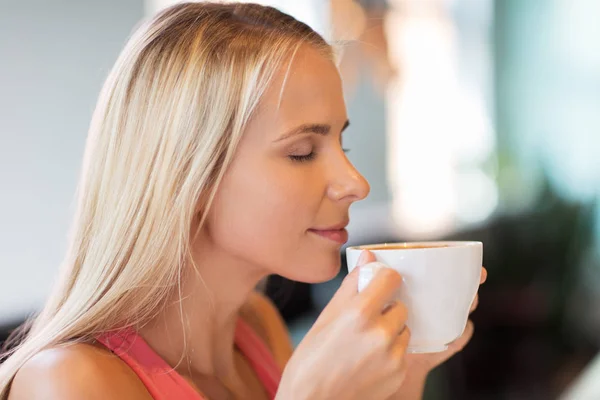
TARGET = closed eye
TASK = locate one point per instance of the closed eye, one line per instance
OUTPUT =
(303, 158)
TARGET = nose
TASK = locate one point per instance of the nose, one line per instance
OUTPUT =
(348, 184)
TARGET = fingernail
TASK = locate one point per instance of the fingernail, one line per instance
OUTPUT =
(362, 258)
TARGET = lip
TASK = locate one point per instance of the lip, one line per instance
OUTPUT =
(336, 227)
(336, 233)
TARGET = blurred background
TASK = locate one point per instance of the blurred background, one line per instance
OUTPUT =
(472, 119)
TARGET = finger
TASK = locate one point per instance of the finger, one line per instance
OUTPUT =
(393, 320)
(345, 293)
(483, 275)
(462, 341)
(347, 290)
(474, 304)
(380, 291)
(365, 257)
(349, 285)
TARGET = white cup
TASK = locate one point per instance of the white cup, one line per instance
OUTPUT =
(440, 281)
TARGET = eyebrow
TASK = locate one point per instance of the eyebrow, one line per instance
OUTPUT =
(319, 129)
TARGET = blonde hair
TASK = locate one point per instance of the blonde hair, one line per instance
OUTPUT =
(164, 131)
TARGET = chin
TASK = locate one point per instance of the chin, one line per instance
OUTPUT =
(322, 270)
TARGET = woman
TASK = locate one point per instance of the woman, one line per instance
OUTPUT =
(213, 160)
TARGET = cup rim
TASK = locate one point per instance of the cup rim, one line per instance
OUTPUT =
(435, 245)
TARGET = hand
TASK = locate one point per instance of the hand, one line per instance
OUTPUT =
(418, 366)
(355, 350)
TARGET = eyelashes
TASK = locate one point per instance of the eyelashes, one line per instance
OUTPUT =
(310, 156)
(303, 158)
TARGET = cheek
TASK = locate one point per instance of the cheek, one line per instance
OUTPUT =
(265, 221)
(261, 217)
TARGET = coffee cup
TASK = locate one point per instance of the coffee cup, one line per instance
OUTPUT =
(440, 281)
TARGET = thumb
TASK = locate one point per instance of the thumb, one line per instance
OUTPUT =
(349, 287)
(366, 257)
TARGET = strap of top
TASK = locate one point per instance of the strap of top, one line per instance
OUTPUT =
(163, 382)
(160, 379)
(259, 356)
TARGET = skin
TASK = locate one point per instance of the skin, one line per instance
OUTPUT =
(306, 186)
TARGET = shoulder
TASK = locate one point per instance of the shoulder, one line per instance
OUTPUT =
(76, 371)
(260, 312)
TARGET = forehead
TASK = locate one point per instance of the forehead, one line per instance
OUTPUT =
(307, 90)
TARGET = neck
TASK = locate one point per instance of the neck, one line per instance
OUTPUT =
(195, 332)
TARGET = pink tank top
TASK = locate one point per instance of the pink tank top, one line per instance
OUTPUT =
(163, 382)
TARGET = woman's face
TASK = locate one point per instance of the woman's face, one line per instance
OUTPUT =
(283, 203)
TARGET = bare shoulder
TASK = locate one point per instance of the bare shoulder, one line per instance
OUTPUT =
(77, 371)
(263, 316)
